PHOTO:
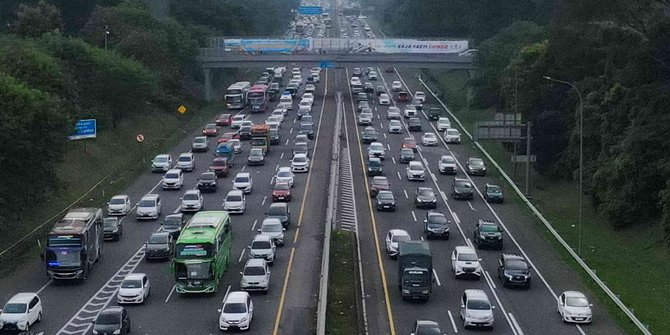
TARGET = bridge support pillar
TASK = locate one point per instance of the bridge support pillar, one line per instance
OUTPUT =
(208, 84)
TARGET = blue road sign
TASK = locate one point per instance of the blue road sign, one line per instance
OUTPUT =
(326, 64)
(84, 129)
(310, 10)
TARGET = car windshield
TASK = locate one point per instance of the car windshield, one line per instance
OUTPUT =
(379, 181)
(237, 307)
(376, 147)
(241, 179)
(477, 162)
(133, 283)
(208, 176)
(463, 184)
(577, 302)
(437, 220)
(468, 257)
(394, 123)
(172, 221)
(219, 163)
(299, 159)
(191, 196)
(238, 117)
(284, 174)
(158, 239)
(161, 159)
(108, 319)
(407, 152)
(481, 305)
(276, 211)
(375, 163)
(172, 175)
(256, 152)
(429, 135)
(494, 190)
(448, 160)
(254, 271)
(409, 141)
(184, 159)
(271, 228)
(146, 203)
(117, 201)
(452, 132)
(14, 308)
(400, 238)
(489, 228)
(426, 193)
(282, 186)
(234, 198)
(261, 245)
(370, 132)
(109, 222)
(385, 196)
(416, 167)
(516, 265)
(210, 126)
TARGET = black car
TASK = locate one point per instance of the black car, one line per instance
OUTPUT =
(112, 228)
(461, 188)
(280, 210)
(434, 113)
(207, 182)
(306, 129)
(293, 89)
(513, 270)
(368, 88)
(374, 166)
(385, 201)
(173, 223)
(369, 135)
(436, 224)
(301, 148)
(112, 320)
(245, 133)
(424, 197)
(487, 234)
(380, 90)
(406, 155)
(159, 246)
(426, 327)
(363, 104)
(493, 193)
(414, 124)
(361, 97)
(475, 166)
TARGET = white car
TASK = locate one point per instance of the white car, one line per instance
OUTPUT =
(255, 276)
(395, 127)
(443, 124)
(429, 139)
(410, 111)
(22, 310)
(199, 143)
(273, 228)
(420, 96)
(273, 121)
(355, 81)
(192, 201)
(297, 79)
(236, 121)
(149, 207)
(236, 144)
(447, 165)
(415, 171)
(305, 104)
(173, 179)
(301, 138)
(263, 247)
(309, 96)
(452, 135)
(465, 263)
(235, 202)
(364, 119)
(295, 71)
(286, 106)
(243, 182)
(237, 311)
(372, 75)
(310, 88)
(396, 86)
(161, 163)
(119, 205)
(573, 306)
(393, 239)
(186, 161)
(476, 309)
(384, 99)
(316, 77)
(279, 114)
(134, 289)
(376, 149)
(393, 113)
(284, 175)
(300, 163)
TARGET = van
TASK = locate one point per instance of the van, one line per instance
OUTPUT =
(21, 311)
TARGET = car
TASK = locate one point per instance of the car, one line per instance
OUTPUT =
(418, 105)
(297, 79)
(465, 263)
(409, 143)
(403, 97)
(380, 90)
(300, 163)
(186, 162)
(112, 320)
(273, 121)
(385, 201)
(159, 246)
(476, 309)
(384, 99)
(220, 166)
(173, 180)
(487, 234)
(414, 124)
(424, 197)
(255, 276)
(396, 86)
(364, 119)
(355, 81)
(302, 111)
(475, 166)
(306, 129)
(275, 138)
(372, 75)
(274, 91)
(434, 113)
(310, 88)
(429, 139)
(112, 228)
(305, 104)
(173, 223)
(200, 144)
(452, 135)
(281, 192)
(235, 202)
(236, 121)
(296, 71)
(245, 132)
(307, 119)
(421, 96)
(316, 77)
(135, 289)
(356, 72)
(410, 111)
(21, 311)
(447, 165)
(237, 311)
(376, 149)
(149, 207)
(210, 130)
(415, 171)
(393, 113)
(462, 188)
(273, 228)
(243, 182)
(425, 327)
(406, 155)
(301, 138)
(256, 157)
(574, 307)
(362, 104)
(393, 239)
(192, 201)
(119, 205)
(231, 135)
(369, 135)
(394, 127)
(281, 211)
(443, 124)
(292, 88)
(436, 225)
(493, 193)
(309, 96)
(224, 120)
(389, 69)
(379, 183)
(207, 182)
(368, 88)
(161, 163)
(300, 148)
(514, 270)
(362, 96)
(284, 175)
(286, 101)
(277, 114)
(375, 167)
(263, 247)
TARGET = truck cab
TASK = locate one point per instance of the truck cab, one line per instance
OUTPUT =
(415, 270)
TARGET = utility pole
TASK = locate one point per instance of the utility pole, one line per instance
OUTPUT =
(106, 34)
(528, 138)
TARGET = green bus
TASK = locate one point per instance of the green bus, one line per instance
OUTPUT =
(202, 252)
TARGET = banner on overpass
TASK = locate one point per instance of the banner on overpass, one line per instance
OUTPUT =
(267, 45)
(360, 45)
(391, 46)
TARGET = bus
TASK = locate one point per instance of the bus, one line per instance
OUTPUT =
(74, 244)
(202, 252)
(236, 95)
(257, 98)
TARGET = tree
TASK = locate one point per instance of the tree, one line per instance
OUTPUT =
(33, 21)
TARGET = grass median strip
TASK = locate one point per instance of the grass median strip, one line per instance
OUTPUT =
(341, 314)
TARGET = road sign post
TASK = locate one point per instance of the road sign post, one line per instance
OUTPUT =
(140, 138)
(84, 129)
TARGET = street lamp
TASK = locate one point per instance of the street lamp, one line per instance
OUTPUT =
(106, 34)
(581, 155)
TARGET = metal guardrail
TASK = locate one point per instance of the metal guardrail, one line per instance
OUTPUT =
(642, 327)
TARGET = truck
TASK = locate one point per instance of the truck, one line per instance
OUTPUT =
(260, 137)
(415, 270)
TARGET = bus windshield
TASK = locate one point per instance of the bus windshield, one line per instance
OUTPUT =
(64, 241)
(233, 99)
(194, 251)
(63, 258)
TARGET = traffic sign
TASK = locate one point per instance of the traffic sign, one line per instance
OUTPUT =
(84, 129)
(326, 64)
(139, 138)
(310, 10)
(181, 109)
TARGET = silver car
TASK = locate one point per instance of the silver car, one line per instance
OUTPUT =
(452, 135)
(395, 127)
(393, 113)
(263, 247)
(161, 163)
(186, 162)
(447, 165)
(192, 201)
(376, 149)
(274, 229)
(199, 144)
(465, 262)
(255, 276)
(235, 202)
(476, 310)
(393, 238)
(415, 171)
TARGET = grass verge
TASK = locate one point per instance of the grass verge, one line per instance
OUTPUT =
(341, 314)
(633, 262)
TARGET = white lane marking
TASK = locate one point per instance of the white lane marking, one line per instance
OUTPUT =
(282, 154)
(226, 296)
(388, 146)
(399, 177)
(272, 180)
(456, 218)
(392, 158)
(264, 198)
(276, 167)
(45, 286)
(437, 279)
(516, 324)
(453, 323)
(384, 135)
(578, 328)
(170, 294)
(491, 279)
(253, 227)
(291, 131)
(287, 140)
(414, 216)
(241, 254)
(378, 118)
(422, 238)
(406, 196)
(243, 167)
(472, 208)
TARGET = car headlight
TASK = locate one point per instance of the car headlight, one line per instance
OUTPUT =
(508, 276)
(405, 291)
(116, 332)
(244, 319)
(425, 291)
(95, 332)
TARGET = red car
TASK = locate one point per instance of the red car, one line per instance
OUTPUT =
(224, 120)
(228, 136)
(281, 192)
(220, 166)
(409, 142)
(403, 96)
(210, 130)
(379, 183)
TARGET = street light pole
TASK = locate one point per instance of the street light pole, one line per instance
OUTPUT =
(106, 34)
(581, 155)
